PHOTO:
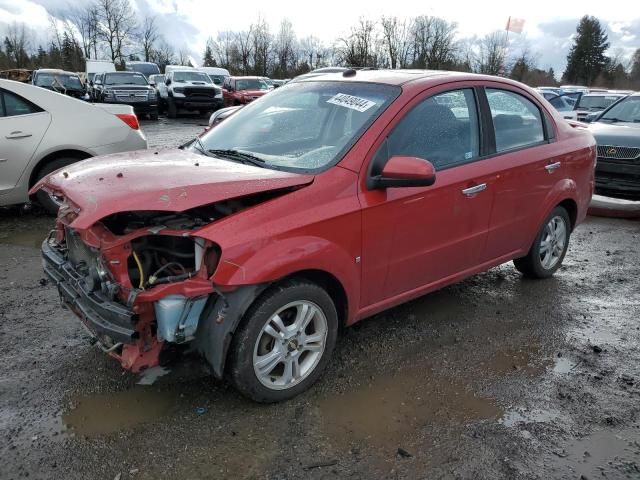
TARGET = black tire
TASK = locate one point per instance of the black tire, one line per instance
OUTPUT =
(241, 370)
(172, 111)
(43, 198)
(153, 116)
(532, 265)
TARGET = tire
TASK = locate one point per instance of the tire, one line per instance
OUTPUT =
(43, 198)
(543, 262)
(153, 116)
(172, 111)
(310, 350)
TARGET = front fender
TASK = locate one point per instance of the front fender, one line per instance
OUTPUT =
(283, 257)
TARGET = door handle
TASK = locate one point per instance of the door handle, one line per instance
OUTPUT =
(17, 134)
(552, 166)
(475, 189)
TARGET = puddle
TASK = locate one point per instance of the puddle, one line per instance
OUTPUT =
(526, 359)
(511, 418)
(603, 454)
(563, 365)
(392, 408)
(111, 412)
(25, 238)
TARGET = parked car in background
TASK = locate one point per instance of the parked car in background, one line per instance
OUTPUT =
(191, 90)
(278, 83)
(321, 204)
(547, 91)
(94, 67)
(243, 90)
(617, 132)
(565, 103)
(145, 68)
(573, 89)
(41, 131)
(269, 82)
(216, 74)
(222, 114)
(590, 103)
(130, 88)
(67, 83)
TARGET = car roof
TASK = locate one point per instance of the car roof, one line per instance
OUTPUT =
(604, 94)
(251, 77)
(402, 77)
(54, 70)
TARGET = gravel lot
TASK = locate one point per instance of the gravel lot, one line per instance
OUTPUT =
(496, 377)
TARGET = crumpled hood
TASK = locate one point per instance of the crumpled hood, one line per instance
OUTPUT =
(618, 134)
(169, 180)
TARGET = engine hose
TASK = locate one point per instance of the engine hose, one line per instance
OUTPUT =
(140, 269)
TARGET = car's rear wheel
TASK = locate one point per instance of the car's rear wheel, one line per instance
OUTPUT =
(549, 248)
(50, 203)
(284, 342)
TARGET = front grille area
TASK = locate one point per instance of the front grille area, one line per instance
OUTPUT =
(199, 93)
(613, 152)
(131, 95)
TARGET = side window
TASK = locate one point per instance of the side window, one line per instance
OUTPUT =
(442, 129)
(15, 105)
(516, 120)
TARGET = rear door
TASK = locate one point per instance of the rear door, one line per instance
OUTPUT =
(527, 164)
(22, 126)
(418, 237)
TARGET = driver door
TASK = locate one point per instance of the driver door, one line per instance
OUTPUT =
(418, 238)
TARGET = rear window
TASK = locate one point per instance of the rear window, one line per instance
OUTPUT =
(516, 120)
(12, 105)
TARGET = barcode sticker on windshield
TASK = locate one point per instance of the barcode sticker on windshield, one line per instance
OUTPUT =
(349, 101)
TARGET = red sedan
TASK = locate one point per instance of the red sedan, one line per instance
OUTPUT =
(325, 202)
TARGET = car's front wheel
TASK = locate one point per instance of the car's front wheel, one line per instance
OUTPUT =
(549, 247)
(285, 342)
(50, 202)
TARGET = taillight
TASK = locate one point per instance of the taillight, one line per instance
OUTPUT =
(130, 119)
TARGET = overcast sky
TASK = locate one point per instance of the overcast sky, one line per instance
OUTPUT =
(188, 23)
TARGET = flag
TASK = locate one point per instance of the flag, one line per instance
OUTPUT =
(515, 25)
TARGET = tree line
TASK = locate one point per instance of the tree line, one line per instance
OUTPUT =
(112, 30)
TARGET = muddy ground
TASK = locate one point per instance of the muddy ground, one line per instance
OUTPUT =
(496, 377)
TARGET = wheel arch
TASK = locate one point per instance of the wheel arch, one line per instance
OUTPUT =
(570, 205)
(70, 152)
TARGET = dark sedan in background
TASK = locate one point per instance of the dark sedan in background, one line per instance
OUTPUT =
(617, 133)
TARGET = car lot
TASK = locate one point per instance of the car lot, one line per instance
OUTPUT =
(496, 377)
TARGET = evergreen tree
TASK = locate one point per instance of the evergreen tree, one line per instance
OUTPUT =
(586, 59)
(208, 60)
(634, 75)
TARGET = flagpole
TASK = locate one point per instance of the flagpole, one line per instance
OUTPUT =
(506, 47)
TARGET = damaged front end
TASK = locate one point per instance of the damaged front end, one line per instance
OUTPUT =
(135, 280)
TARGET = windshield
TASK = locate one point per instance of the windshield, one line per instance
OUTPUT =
(304, 126)
(217, 79)
(58, 80)
(145, 68)
(628, 110)
(596, 102)
(191, 77)
(251, 84)
(124, 79)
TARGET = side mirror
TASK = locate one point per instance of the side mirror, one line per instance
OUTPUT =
(167, 82)
(403, 171)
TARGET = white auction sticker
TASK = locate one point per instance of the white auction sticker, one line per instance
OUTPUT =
(349, 101)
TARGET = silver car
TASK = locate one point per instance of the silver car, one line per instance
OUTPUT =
(42, 131)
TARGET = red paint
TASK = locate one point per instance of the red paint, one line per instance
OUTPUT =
(236, 96)
(383, 246)
(408, 168)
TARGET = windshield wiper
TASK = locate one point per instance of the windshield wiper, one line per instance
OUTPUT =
(612, 120)
(239, 156)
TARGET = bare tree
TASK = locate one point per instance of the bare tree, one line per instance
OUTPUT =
(442, 48)
(85, 20)
(116, 23)
(244, 49)
(285, 51)
(163, 54)
(224, 48)
(395, 38)
(184, 58)
(492, 54)
(359, 49)
(312, 49)
(262, 43)
(149, 35)
(17, 44)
